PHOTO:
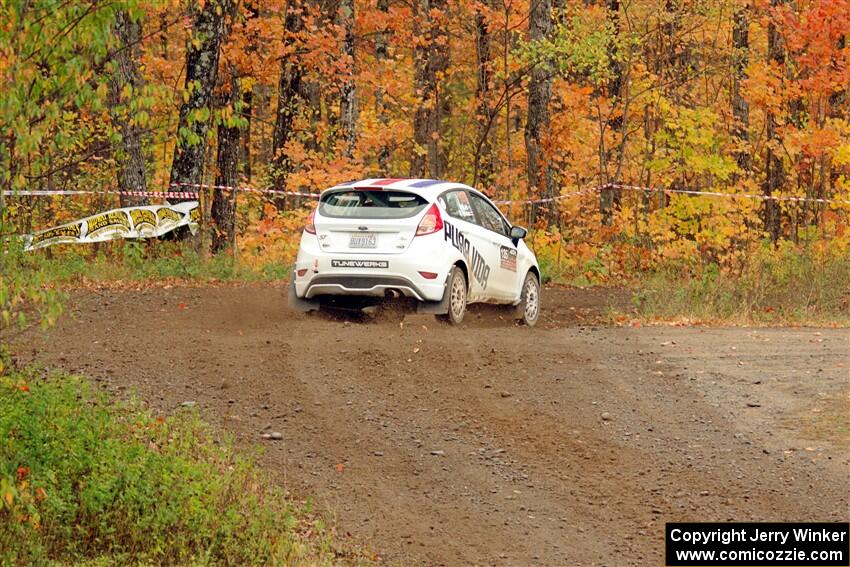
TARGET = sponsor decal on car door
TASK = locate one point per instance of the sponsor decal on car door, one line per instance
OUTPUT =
(478, 266)
(457, 231)
(507, 255)
(499, 251)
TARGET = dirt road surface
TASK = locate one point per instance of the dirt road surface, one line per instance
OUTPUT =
(568, 444)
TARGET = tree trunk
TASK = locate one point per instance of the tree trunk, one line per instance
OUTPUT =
(430, 59)
(245, 156)
(774, 169)
(348, 94)
(609, 197)
(247, 114)
(287, 104)
(484, 172)
(129, 155)
(740, 107)
(7, 186)
(839, 96)
(537, 122)
(381, 53)
(223, 207)
(202, 53)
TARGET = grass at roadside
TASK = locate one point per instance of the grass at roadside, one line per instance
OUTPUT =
(781, 287)
(145, 260)
(84, 480)
(792, 284)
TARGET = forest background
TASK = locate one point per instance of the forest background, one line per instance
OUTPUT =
(524, 99)
(620, 115)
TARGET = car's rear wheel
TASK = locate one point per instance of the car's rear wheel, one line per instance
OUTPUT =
(530, 300)
(457, 297)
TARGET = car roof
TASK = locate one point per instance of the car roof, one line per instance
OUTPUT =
(426, 187)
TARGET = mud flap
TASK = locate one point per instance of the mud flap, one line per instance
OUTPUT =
(436, 307)
(298, 304)
(517, 310)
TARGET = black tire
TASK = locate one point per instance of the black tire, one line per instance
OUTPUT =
(457, 290)
(529, 303)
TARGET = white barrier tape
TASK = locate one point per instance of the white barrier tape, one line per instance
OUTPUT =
(162, 194)
(728, 195)
(549, 199)
(249, 189)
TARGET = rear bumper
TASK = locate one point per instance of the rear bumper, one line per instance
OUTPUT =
(401, 274)
(368, 285)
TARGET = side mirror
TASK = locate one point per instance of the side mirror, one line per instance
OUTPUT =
(517, 234)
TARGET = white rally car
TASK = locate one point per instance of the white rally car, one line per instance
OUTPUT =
(443, 244)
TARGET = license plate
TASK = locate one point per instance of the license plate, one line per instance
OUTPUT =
(367, 240)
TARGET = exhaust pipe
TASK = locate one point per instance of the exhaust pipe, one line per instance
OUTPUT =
(393, 293)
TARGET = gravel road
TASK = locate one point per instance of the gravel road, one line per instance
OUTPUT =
(568, 444)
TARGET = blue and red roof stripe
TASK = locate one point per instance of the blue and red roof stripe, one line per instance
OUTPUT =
(426, 183)
(388, 181)
(391, 182)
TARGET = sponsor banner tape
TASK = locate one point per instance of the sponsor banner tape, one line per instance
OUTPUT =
(182, 194)
(129, 222)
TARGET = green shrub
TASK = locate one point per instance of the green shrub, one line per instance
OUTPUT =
(83, 480)
(23, 289)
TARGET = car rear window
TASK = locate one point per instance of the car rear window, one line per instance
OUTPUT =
(366, 204)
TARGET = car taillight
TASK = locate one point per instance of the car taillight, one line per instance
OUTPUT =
(310, 226)
(431, 222)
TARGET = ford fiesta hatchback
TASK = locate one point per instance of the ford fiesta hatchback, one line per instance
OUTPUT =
(443, 244)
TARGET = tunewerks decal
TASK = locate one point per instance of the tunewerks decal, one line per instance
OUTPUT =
(360, 264)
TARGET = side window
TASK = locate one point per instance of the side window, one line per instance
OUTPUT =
(457, 205)
(488, 216)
